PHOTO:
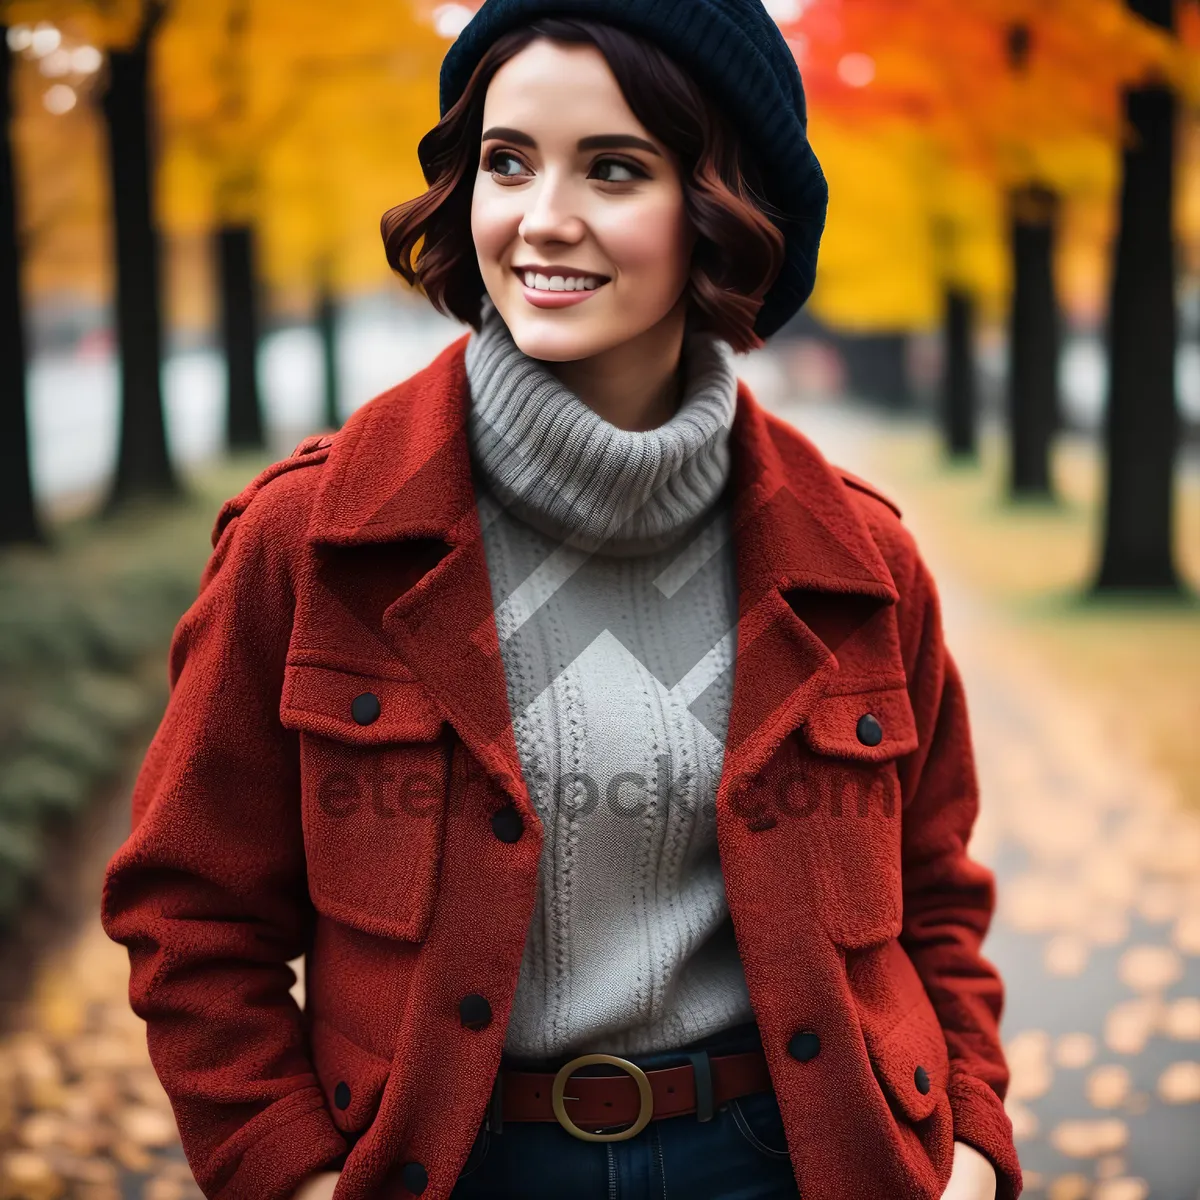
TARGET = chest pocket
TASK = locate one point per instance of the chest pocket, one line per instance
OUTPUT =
(844, 800)
(374, 764)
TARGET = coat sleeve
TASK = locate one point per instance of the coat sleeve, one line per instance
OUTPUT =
(209, 892)
(949, 898)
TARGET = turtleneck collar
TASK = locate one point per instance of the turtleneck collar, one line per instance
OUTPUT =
(557, 464)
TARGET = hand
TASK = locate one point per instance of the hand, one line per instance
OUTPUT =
(318, 1187)
(972, 1177)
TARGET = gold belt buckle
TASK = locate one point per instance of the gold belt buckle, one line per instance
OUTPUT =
(560, 1109)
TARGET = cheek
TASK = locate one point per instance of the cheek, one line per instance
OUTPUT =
(650, 242)
(493, 225)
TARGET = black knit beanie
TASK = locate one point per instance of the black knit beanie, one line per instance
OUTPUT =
(735, 51)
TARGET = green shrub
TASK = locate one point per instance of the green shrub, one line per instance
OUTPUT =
(84, 630)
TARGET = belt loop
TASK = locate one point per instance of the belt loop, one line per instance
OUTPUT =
(702, 1069)
(496, 1106)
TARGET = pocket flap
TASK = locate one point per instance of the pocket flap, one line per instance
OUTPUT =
(336, 703)
(838, 725)
(374, 776)
(352, 1078)
(911, 1053)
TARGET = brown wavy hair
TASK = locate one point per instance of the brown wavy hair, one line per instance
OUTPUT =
(738, 250)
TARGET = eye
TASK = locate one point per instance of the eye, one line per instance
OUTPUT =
(618, 170)
(504, 162)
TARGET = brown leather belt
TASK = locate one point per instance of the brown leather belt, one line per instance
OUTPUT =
(586, 1105)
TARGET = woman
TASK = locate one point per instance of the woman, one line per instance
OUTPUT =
(567, 704)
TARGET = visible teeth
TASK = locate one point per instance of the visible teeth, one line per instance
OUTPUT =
(560, 283)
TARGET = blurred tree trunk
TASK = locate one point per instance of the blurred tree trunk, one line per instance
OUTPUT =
(1142, 420)
(327, 325)
(18, 515)
(959, 394)
(239, 329)
(143, 461)
(877, 369)
(1034, 342)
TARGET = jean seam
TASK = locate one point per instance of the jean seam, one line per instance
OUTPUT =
(743, 1127)
(662, 1167)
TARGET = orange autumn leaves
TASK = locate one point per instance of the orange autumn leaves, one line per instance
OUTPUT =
(301, 118)
(928, 113)
(993, 80)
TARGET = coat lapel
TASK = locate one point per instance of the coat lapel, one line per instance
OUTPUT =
(400, 472)
(795, 532)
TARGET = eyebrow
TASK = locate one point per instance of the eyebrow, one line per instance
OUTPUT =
(599, 141)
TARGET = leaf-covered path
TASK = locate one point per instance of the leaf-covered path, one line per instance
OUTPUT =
(1097, 928)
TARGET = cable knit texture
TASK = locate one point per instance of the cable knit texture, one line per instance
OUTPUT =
(561, 467)
(613, 579)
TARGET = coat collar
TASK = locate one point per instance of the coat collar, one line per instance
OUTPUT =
(400, 470)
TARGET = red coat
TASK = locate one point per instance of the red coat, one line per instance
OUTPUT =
(401, 855)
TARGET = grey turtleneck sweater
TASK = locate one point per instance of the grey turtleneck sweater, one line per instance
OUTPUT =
(612, 574)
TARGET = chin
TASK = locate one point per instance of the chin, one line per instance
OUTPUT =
(552, 339)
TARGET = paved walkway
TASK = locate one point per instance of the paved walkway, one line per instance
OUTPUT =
(1097, 935)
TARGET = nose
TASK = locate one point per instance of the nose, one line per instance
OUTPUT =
(551, 215)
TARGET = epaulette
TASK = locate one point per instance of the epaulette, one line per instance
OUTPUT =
(312, 450)
(871, 490)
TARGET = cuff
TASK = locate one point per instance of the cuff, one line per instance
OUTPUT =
(980, 1121)
(274, 1165)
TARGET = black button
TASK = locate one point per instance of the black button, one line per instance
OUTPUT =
(365, 708)
(804, 1045)
(341, 1095)
(870, 732)
(475, 1012)
(921, 1079)
(414, 1177)
(507, 824)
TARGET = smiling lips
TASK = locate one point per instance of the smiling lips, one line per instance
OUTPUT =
(556, 288)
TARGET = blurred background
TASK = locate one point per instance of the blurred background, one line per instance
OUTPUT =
(1004, 336)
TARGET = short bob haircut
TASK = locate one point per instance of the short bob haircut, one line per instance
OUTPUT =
(738, 250)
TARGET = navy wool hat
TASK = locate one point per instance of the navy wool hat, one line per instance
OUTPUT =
(736, 53)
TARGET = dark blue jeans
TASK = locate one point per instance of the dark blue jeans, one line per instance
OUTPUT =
(741, 1154)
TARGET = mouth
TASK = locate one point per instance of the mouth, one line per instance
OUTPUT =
(558, 287)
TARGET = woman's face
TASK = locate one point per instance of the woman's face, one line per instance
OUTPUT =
(578, 210)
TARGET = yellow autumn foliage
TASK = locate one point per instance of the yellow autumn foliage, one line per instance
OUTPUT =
(301, 118)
